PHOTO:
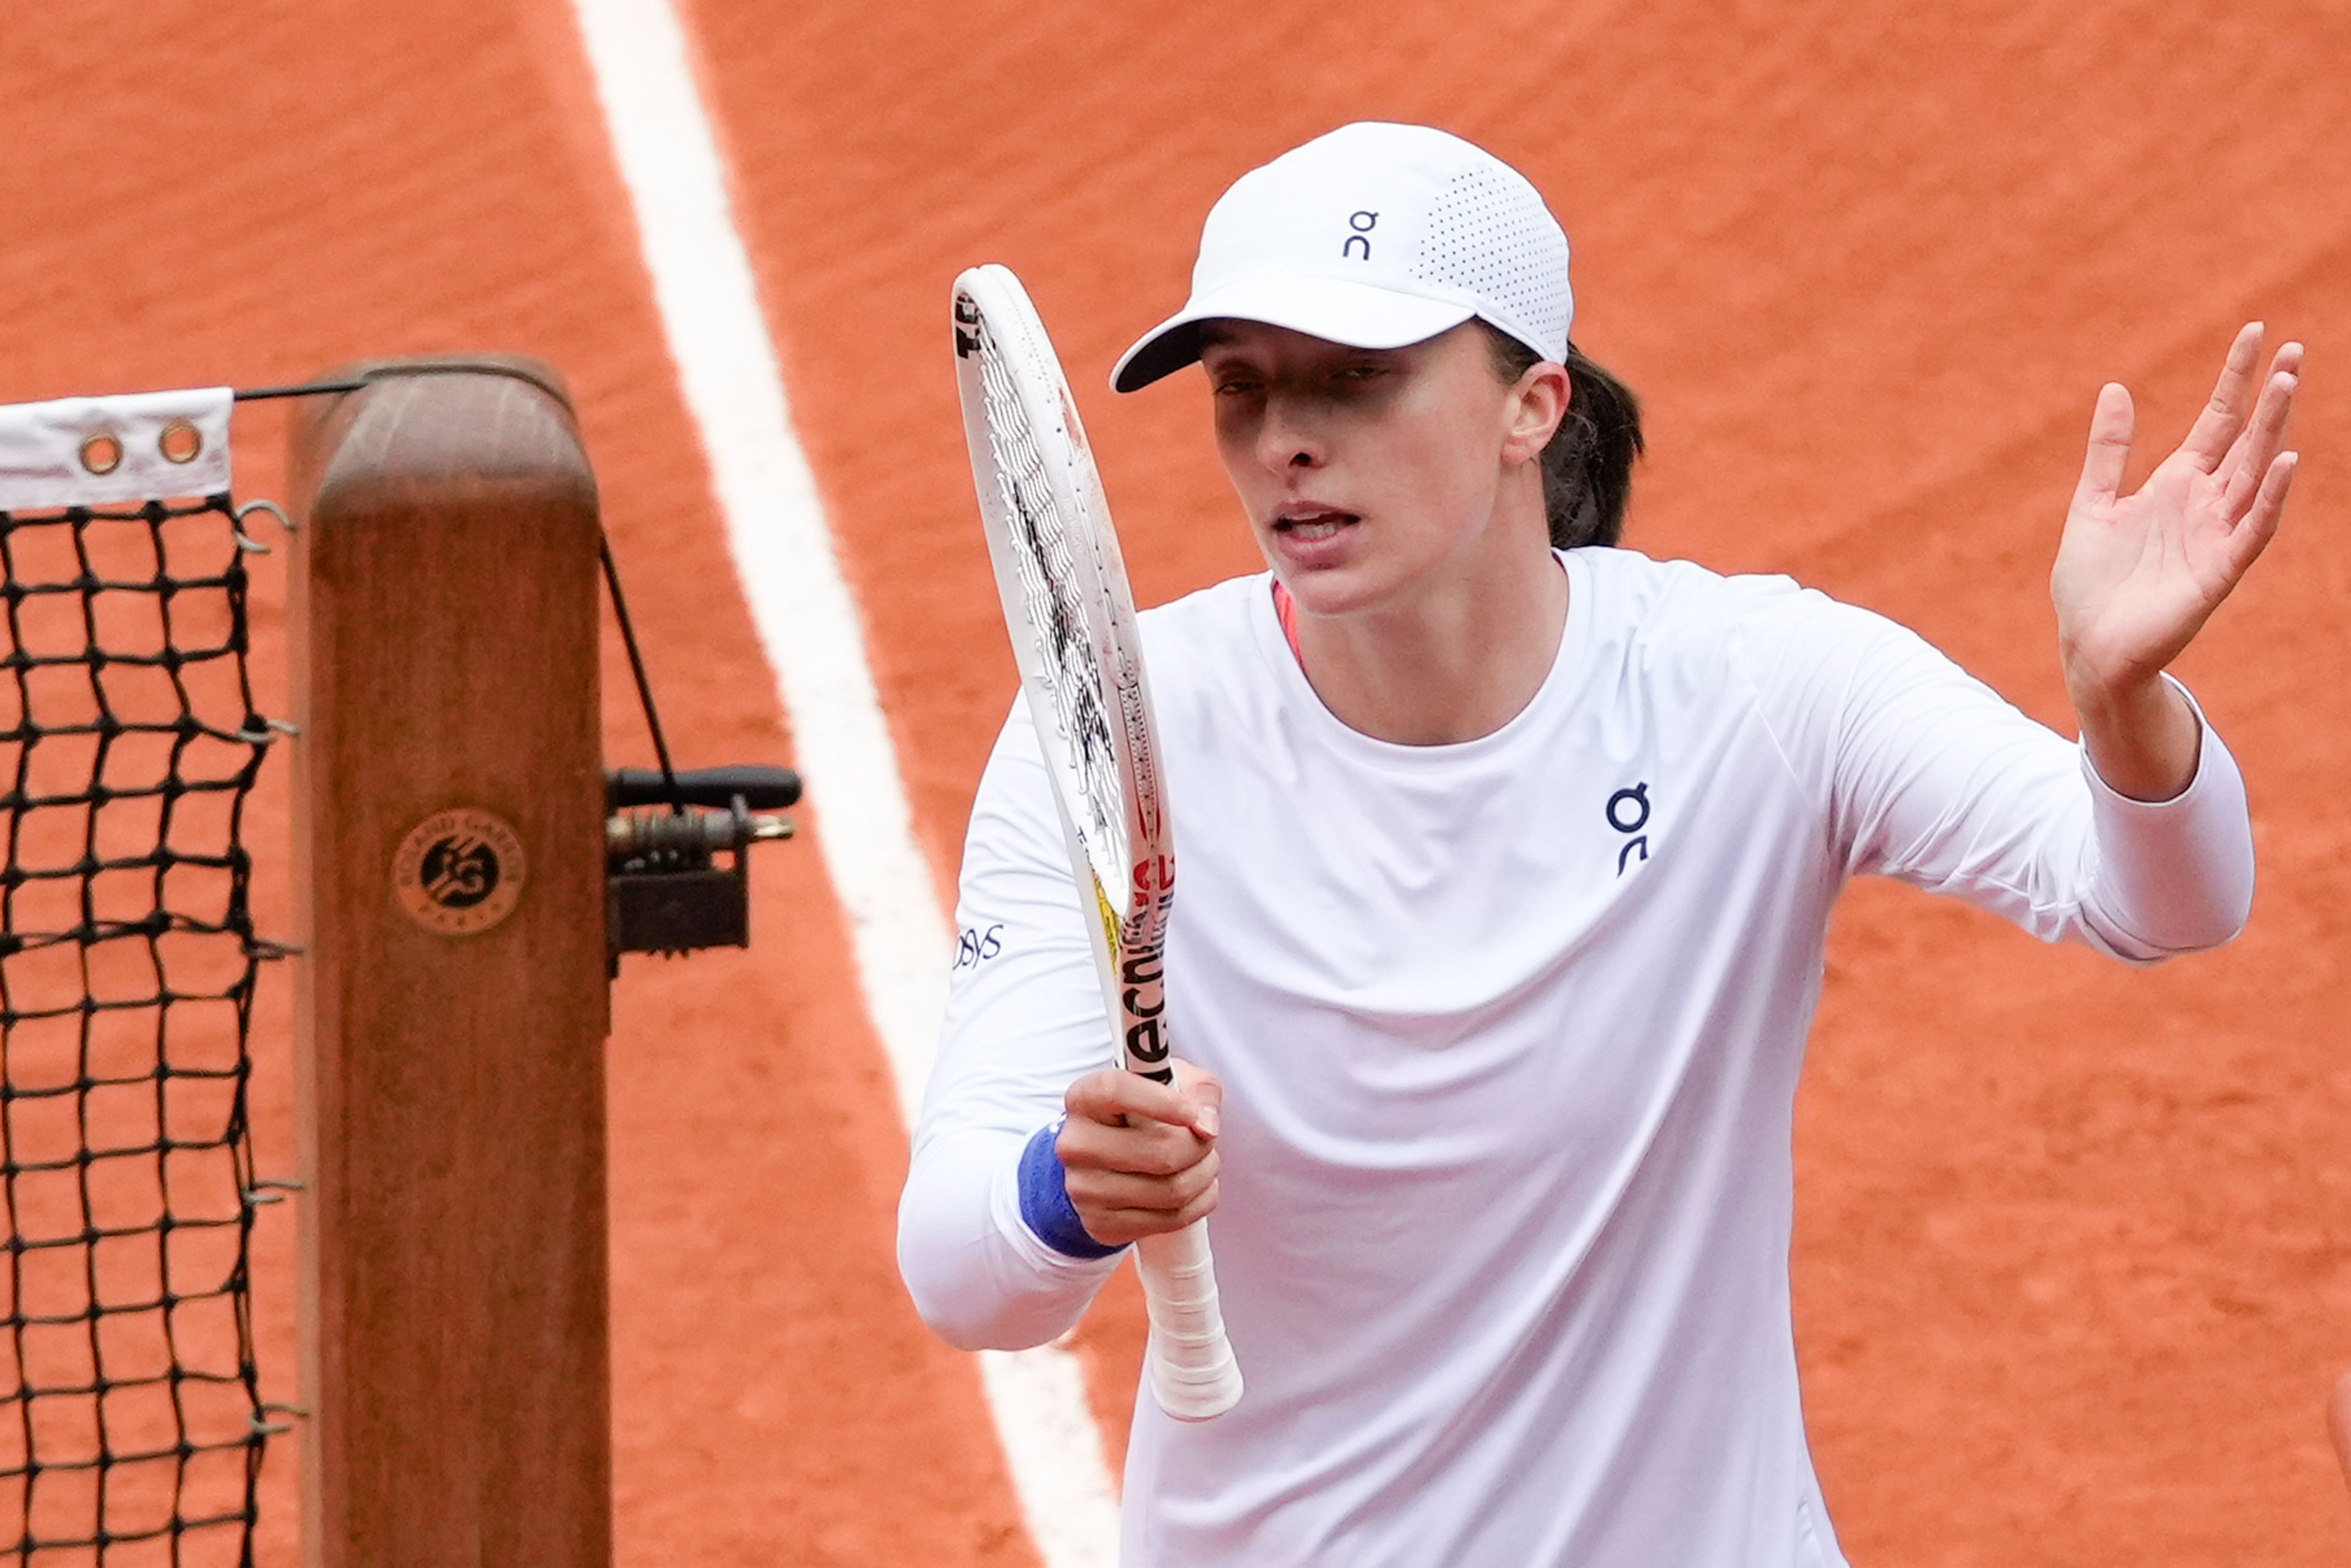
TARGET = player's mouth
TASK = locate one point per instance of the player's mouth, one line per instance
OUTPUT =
(1306, 523)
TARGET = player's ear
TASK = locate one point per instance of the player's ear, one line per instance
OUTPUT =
(1536, 404)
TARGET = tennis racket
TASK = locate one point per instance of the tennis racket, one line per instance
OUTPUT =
(1071, 616)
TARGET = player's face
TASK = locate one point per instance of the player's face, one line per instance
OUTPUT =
(1364, 472)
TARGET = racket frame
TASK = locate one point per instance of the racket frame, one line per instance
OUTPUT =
(1192, 1372)
(1134, 889)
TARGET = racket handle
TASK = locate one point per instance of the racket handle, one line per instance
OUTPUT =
(1193, 1373)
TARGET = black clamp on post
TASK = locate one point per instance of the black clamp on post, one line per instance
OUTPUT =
(665, 891)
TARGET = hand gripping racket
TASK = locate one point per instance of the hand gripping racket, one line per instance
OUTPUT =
(1071, 616)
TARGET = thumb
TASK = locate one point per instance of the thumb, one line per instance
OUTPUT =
(2110, 442)
(2338, 1421)
(1207, 1092)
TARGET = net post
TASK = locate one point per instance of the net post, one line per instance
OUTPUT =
(452, 995)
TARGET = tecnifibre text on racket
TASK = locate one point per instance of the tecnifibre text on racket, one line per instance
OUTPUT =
(1071, 617)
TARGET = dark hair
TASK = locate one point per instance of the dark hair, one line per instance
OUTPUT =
(1587, 470)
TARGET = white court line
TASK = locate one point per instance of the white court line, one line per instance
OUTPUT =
(718, 338)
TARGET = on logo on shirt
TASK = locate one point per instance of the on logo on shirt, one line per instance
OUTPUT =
(1628, 813)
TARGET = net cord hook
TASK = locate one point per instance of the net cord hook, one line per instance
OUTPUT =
(246, 541)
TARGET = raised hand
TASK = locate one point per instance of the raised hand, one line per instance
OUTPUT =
(2137, 575)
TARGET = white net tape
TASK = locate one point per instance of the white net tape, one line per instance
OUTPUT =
(102, 450)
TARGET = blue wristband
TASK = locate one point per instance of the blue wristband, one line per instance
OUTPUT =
(1045, 1203)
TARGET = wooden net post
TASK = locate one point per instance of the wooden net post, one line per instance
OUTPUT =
(452, 999)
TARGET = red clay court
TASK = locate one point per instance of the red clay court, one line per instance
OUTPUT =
(2074, 1242)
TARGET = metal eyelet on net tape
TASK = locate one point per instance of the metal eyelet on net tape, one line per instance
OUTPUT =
(180, 441)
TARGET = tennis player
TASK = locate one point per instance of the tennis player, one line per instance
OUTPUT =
(1505, 860)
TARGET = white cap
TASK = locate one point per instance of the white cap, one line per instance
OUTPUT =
(1374, 235)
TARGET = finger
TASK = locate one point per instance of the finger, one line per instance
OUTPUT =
(1146, 1149)
(2258, 447)
(2260, 523)
(1207, 1092)
(1114, 1097)
(2208, 442)
(2286, 361)
(1198, 1209)
(1105, 1191)
(2110, 442)
(1117, 1226)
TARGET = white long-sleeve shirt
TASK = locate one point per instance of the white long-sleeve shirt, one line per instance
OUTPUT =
(1509, 1033)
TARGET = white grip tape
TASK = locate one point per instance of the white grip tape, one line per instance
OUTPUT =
(1193, 1373)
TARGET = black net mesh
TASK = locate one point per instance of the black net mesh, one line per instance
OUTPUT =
(132, 1427)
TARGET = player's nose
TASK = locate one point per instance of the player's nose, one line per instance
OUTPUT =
(1287, 437)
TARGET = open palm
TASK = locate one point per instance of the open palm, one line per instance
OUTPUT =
(2137, 575)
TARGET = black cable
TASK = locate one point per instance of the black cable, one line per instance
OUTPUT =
(637, 668)
(299, 388)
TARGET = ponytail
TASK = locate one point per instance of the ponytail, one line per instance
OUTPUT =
(1587, 468)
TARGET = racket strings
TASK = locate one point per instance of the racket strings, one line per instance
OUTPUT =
(1052, 589)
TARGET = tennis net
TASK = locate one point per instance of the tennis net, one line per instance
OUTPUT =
(131, 1421)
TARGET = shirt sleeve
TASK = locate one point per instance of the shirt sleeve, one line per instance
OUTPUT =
(1928, 776)
(1025, 1018)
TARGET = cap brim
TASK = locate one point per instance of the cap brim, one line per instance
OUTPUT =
(1336, 309)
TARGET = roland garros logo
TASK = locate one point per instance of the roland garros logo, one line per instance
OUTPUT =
(458, 871)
